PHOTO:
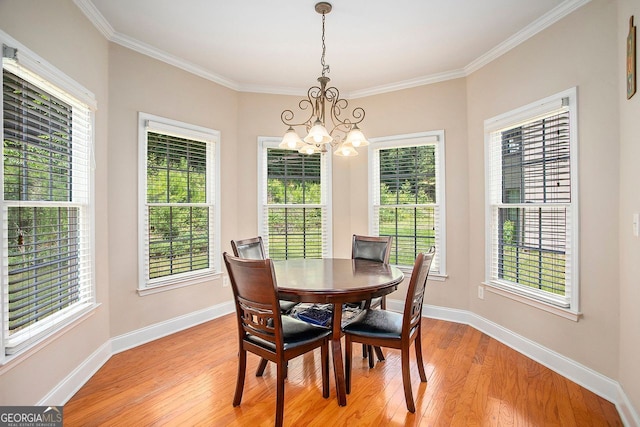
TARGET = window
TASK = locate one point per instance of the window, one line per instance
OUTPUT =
(295, 219)
(407, 196)
(532, 201)
(179, 209)
(47, 211)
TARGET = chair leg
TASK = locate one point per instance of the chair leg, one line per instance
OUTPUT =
(364, 351)
(347, 363)
(242, 367)
(406, 381)
(261, 366)
(418, 345)
(371, 361)
(280, 393)
(379, 354)
(324, 360)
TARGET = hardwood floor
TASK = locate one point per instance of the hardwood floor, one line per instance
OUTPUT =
(188, 379)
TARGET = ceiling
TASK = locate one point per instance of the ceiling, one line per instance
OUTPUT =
(372, 46)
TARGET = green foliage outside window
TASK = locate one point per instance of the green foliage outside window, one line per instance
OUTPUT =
(42, 241)
(43, 265)
(282, 192)
(406, 209)
(294, 179)
(179, 233)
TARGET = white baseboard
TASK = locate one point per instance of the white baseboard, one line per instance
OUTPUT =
(576, 372)
(76, 379)
(626, 410)
(153, 332)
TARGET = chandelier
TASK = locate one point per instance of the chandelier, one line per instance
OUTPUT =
(344, 135)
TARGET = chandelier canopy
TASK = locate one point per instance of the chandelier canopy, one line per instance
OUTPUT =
(344, 134)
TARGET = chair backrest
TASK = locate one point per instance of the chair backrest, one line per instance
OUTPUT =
(373, 248)
(256, 297)
(252, 248)
(415, 293)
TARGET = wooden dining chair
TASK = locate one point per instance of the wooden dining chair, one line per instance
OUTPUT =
(385, 328)
(263, 330)
(253, 248)
(372, 248)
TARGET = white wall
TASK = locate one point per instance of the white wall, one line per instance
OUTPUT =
(440, 106)
(629, 246)
(580, 50)
(60, 34)
(138, 83)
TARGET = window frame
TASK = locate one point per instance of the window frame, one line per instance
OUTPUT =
(265, 143)
(536, 111)
(436, 138)
(30, 67)
(152, 123)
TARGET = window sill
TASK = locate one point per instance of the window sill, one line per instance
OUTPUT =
(10, 361)
(176, 284)
(549, 308)
(436, 277)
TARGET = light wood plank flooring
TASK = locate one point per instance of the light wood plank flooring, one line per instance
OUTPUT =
(188, 379)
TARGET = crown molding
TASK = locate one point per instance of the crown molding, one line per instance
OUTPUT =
(392, 87)
(167, 58)
(273, 90)
(407, 84)
(545, 21)
(548, 19)
(96, 18)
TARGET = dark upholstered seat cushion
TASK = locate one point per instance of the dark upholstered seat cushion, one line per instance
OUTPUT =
(295, 333)
(375, 302)
(376, 323)
(287, 306)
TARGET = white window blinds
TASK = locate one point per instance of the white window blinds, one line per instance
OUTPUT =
(179, 207)
(47, 213)
(295, 219)
(532, 204)
(407, 181)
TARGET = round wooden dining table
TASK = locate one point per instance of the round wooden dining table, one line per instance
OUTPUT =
(335, 281)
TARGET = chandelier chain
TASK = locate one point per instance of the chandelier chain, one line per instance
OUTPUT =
(325, 67)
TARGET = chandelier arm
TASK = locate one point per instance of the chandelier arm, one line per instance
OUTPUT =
(314, 92)
(358, 115)
(332, 94)
(338, 105)
(287, 116)
(340, 127)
